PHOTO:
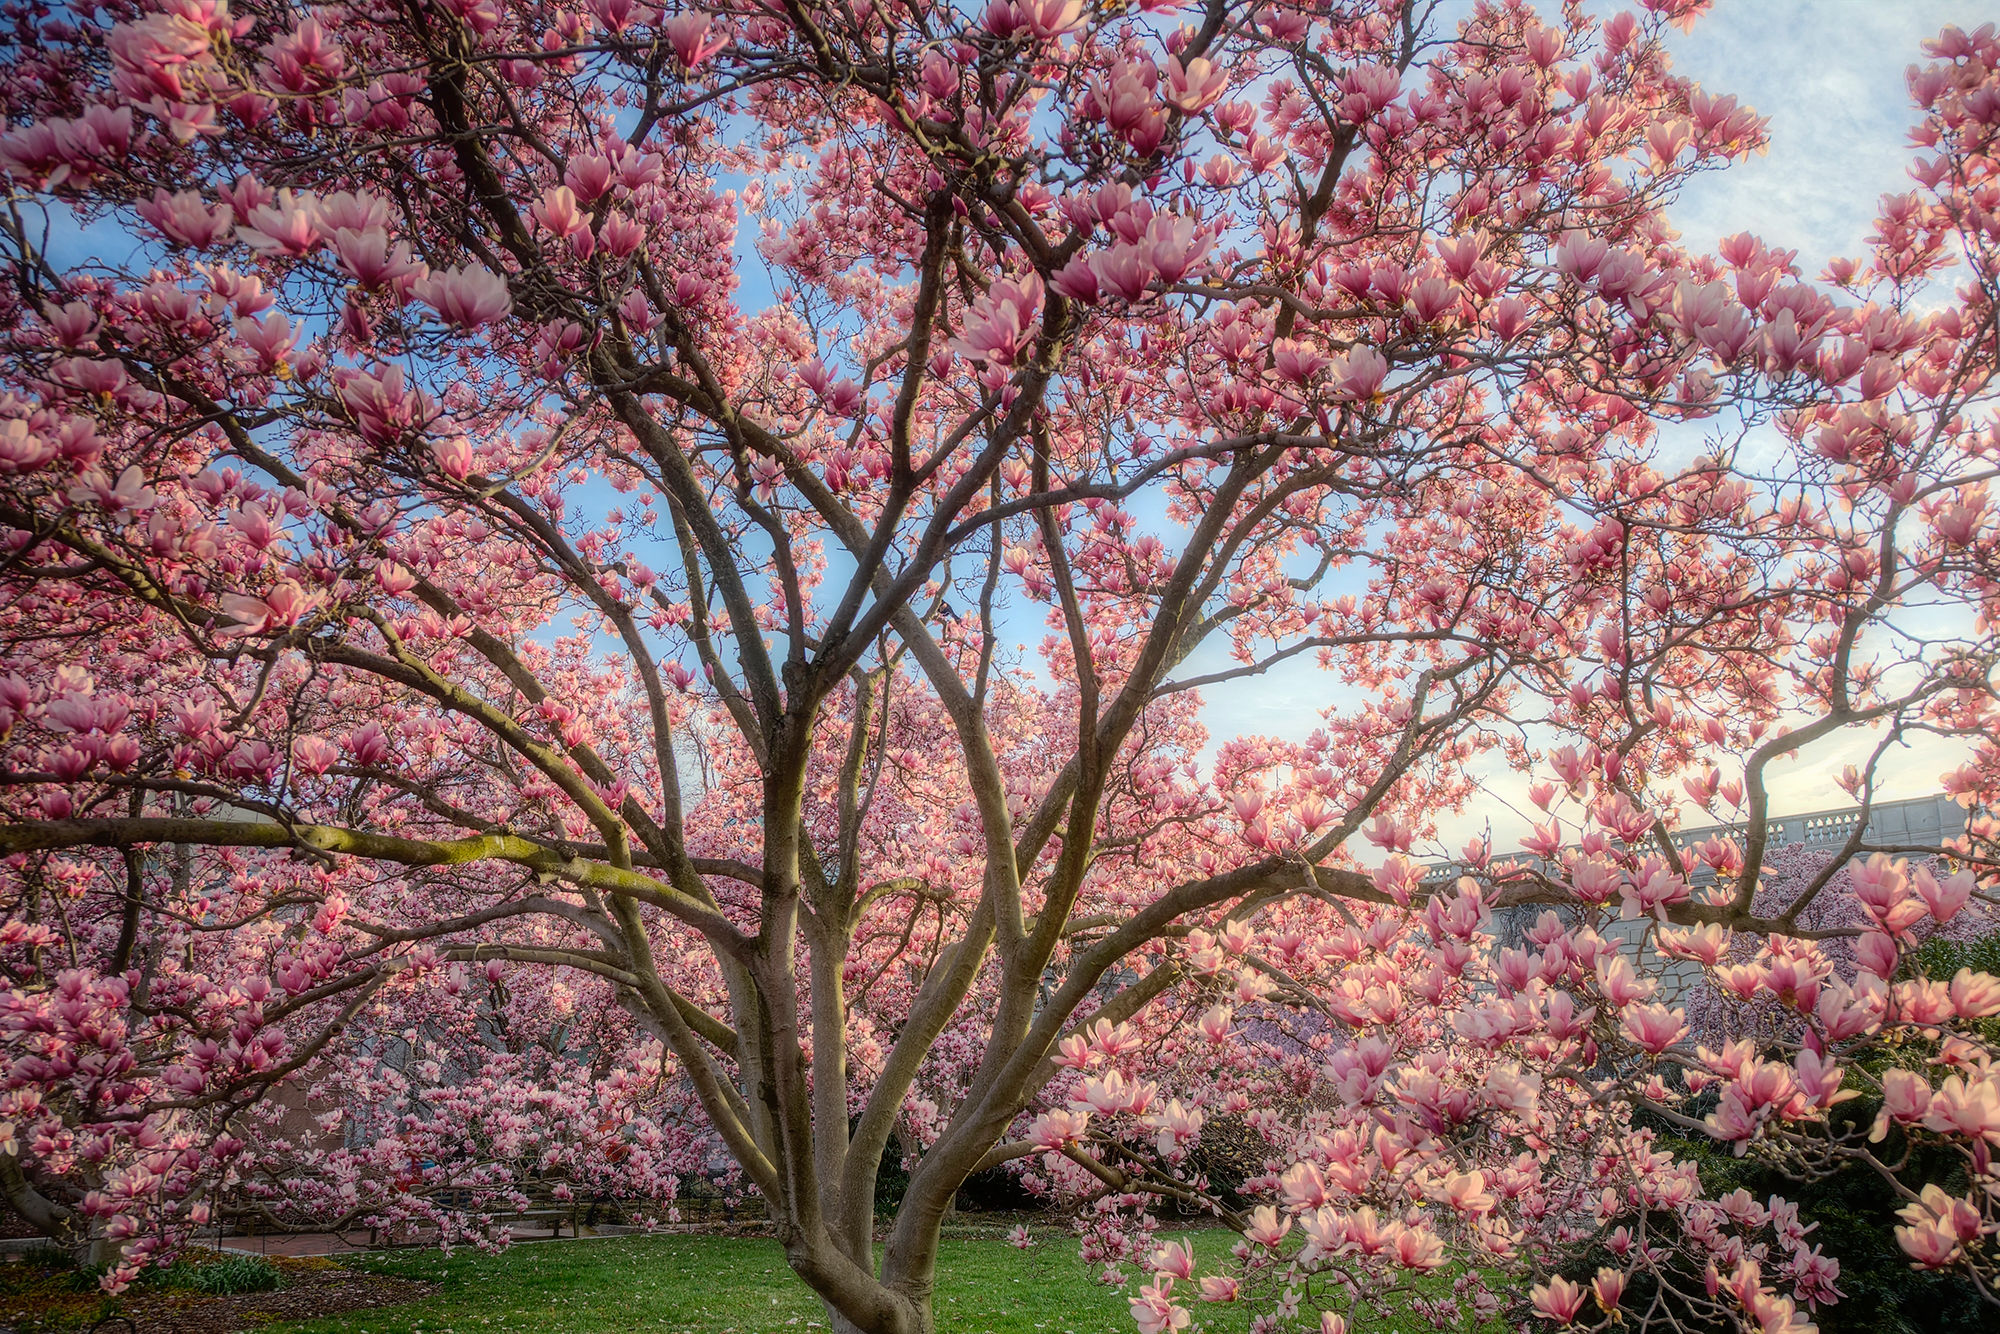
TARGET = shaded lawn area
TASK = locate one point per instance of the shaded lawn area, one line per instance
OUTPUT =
(729, 1285)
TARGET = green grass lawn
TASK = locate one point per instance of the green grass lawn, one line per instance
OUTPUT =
(723, 1285)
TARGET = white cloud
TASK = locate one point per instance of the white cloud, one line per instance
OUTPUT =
(1829, 75)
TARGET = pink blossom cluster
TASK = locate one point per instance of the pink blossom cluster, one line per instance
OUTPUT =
(599, 598)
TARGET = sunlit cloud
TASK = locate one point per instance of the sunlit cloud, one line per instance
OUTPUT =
(1830, 78)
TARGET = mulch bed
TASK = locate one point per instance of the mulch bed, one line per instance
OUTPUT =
(313, 1287)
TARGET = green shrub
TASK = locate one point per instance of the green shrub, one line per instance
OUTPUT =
(1941, 958)
(48, 1257)
(84, 1278)
(222, 1276)
(1853, 1211)
(1229, 1153)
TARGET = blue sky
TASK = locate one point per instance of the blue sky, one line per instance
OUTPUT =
(1829, 76)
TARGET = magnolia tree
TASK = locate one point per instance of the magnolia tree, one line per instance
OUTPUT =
(520, 524)
(483, 1093)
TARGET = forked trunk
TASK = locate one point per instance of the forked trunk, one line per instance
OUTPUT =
(918, 1321)
(908, 1308)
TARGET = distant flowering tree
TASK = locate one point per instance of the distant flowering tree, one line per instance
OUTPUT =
(1722, 1004)
(486, 657)
(484, 1093)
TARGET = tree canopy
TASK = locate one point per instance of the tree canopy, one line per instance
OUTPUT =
(605, 596)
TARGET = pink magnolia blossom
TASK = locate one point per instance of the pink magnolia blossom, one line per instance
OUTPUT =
(1053, 1130)
(1001, 324)
(693, 37)
(1558, 1299)
(281, 608)
(469, 296)
(1358, 374)
(1196, 84)
(1654, 1027)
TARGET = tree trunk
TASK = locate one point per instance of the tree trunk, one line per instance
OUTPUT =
(907, 1309)
(918, 1321)
(54, 1221)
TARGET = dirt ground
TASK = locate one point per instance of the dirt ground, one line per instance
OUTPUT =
(313, 1287)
